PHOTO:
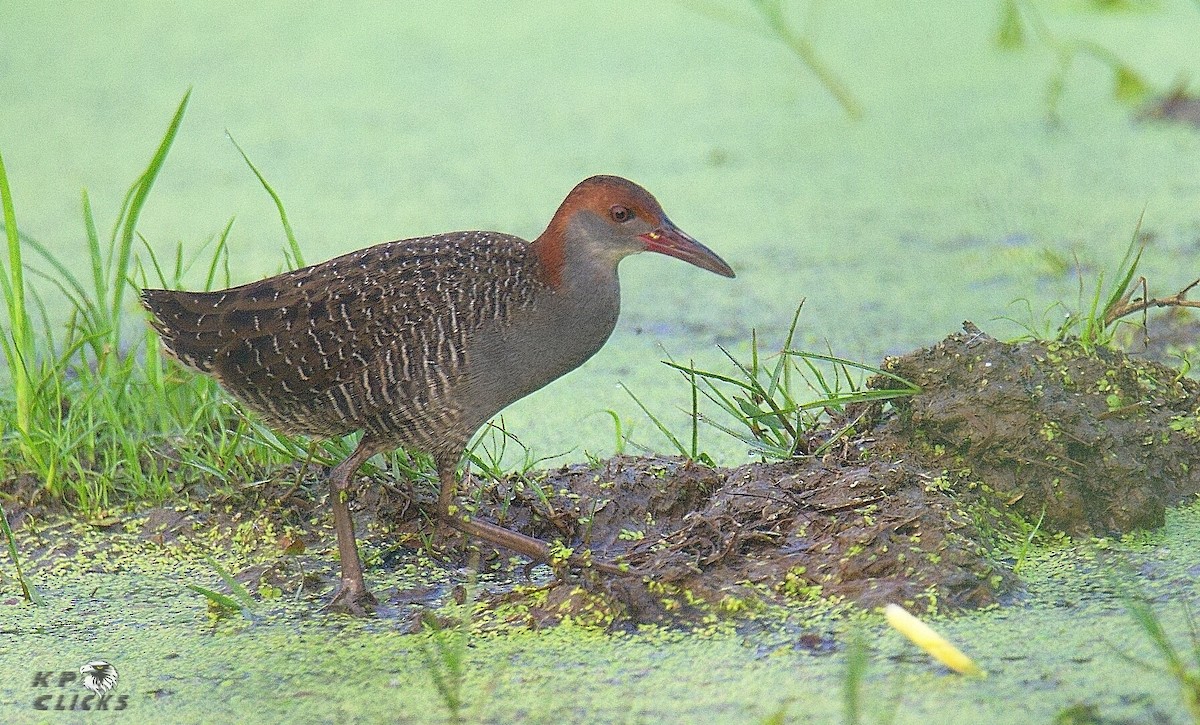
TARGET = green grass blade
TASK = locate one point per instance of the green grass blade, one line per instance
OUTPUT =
(296, 256)
(162, 278)
(222, 251)
(180, 268)
(852, 679)
(222, 601)
(93, 240)
(683, 451)
(138, 201)
(781, 367)
(20, 354)
(31, 594)
(618, 432)
(1129, 266)
(65, 278)
(695, 413)
(1152, 625)
(79, 304)
(707, 375)
(1093, 325)
(235, 587)
(47, 331)
(723, 401)
(117, 225)
(855, 364)
(757, 443)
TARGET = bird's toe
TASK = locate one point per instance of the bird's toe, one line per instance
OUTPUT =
(352, 598)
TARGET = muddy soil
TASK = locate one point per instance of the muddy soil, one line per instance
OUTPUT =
(924, 503)
(1098, 443)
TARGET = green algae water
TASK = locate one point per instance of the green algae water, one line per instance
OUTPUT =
(1063, 642)
(952, 198)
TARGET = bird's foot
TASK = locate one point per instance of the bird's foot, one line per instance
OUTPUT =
(352, 598)
(535, 549)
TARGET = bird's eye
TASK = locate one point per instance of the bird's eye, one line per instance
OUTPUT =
(620, 214)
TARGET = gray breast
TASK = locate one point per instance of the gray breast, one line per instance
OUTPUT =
(537, 347)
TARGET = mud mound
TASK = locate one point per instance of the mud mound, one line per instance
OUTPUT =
(872, 532)
(1098, 441)
(915, 509)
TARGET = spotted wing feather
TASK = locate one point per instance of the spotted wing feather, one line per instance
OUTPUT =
(373, 339)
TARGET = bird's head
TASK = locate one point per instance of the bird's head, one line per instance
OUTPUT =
(607, 218)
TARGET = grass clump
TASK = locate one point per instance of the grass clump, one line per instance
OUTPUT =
(84, 406)
(97, 414)
(1093, 322)
(789, 404)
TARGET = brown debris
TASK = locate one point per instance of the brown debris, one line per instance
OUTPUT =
(1176, 105)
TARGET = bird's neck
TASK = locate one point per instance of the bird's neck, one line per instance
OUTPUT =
(584, 297)
(572, 317)
(576, 259)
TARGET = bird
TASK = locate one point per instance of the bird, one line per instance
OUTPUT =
(417, 343)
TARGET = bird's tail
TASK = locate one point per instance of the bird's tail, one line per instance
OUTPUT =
(188, 323)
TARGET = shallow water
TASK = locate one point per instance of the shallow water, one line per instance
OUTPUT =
(1061, 643)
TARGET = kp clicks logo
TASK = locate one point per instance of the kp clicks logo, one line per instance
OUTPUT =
(98, 676)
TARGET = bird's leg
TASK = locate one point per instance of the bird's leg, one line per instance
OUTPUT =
(531, 547)
(448, 487)
(535, 549)
(352, 596)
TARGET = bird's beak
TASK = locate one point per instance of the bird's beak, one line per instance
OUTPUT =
(672, 241)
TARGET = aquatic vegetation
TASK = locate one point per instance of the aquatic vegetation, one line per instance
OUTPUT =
(775, 24)
(1021, 23)
(1174, 663)
(767, 404)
